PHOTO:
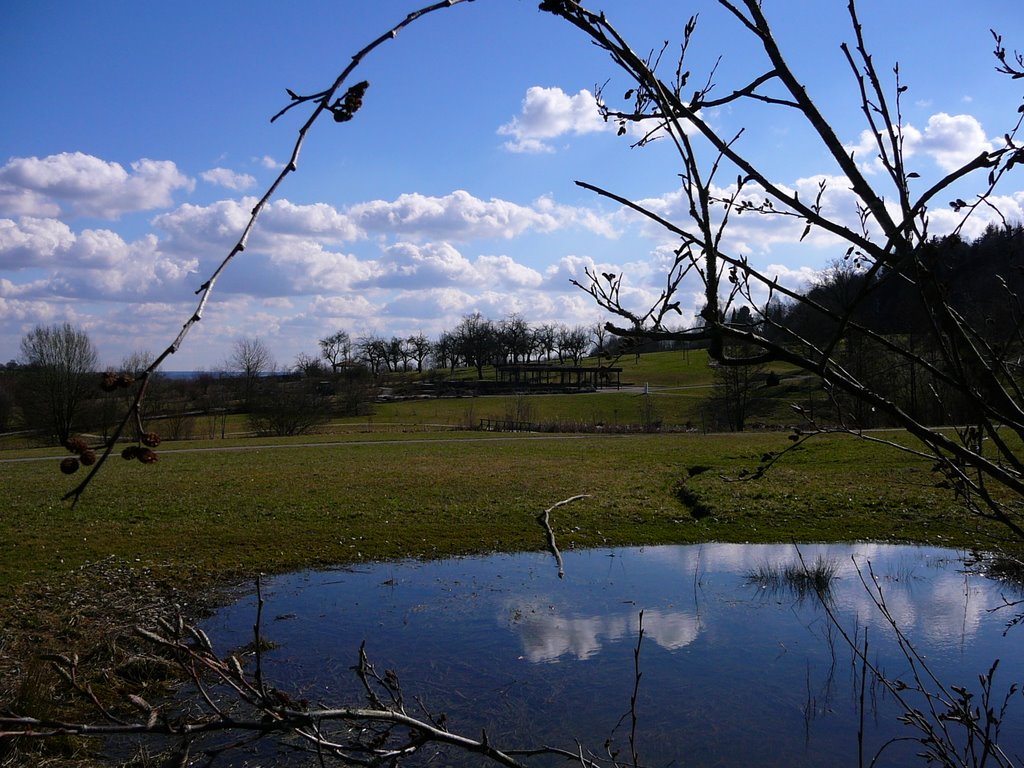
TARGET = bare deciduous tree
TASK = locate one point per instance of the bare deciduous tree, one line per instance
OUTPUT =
(251, 358)
(373, 351)
(336, 349)
(515, 338)
(420, 347)
(60, 373)
(573, 343)
(476, 341)
(887, 242)
(309, 365)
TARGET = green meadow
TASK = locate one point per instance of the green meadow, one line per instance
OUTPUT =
(241, 506)
(413, 480)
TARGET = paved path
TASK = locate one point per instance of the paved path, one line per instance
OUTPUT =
(337, 443)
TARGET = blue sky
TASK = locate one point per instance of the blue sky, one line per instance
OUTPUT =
(135, 135)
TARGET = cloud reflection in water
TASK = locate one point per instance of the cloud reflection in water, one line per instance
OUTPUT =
(548, 636)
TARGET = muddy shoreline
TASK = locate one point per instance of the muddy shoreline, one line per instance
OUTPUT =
(92, 612)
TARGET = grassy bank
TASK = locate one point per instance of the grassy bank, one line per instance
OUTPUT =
(395, 495)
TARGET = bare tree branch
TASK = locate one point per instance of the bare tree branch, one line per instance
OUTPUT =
(342, 109)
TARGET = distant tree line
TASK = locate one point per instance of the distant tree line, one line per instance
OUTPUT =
(475, 342)
(890, 306)
(54, 389)
(887, 302)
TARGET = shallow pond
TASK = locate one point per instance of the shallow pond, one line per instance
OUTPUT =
(741, 664)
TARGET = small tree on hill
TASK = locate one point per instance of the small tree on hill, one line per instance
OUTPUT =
(336, 349)
(476, 340)
(251, 358)
(420, 348)
(59, 376)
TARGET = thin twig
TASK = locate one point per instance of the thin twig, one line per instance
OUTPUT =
(544, 518)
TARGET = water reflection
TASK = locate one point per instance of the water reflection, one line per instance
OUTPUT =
(548, 637)
(734, 674)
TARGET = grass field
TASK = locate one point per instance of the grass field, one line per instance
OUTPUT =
(679, 382)
(409, 480)
(397, 494)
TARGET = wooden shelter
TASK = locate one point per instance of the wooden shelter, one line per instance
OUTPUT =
(538, 375)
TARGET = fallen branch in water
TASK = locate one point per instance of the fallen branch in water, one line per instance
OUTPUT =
(544, 518)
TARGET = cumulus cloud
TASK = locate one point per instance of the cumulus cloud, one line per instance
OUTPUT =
(32, 242)
(196, 228)
(450, 305)
(428, 266)
(436, 309)
(336, 307)
(78, 184)
(457, 216)
(949, 141)
(752, 233)
(793, 276)
(18, 201)
(94, 262)
(409, 265)
(1009, 207)
(568, 268)
(318, 220)
(308, 267)
(102, 265)
(224, 177)
(585, 218)
(506, 271)
(952, 140)
(548, 113)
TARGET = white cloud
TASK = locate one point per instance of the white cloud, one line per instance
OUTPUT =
(427, 266)
(505, 271)
(318, 220)
(32, 242)
(224, 177)
(433, 309)
(949, 141)
(18, 201)
(92, 263)
(307, 267)
(210, 231)
(453, 217)
(952, 140)
(571, 267)
(457, 216)
(755, 233)
(1010, 207)
(348, 311)
(408, 265)
(198, 229)
(586, 218)
(793, 276)
(83, 185)
(548, 113)
(101, 265)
